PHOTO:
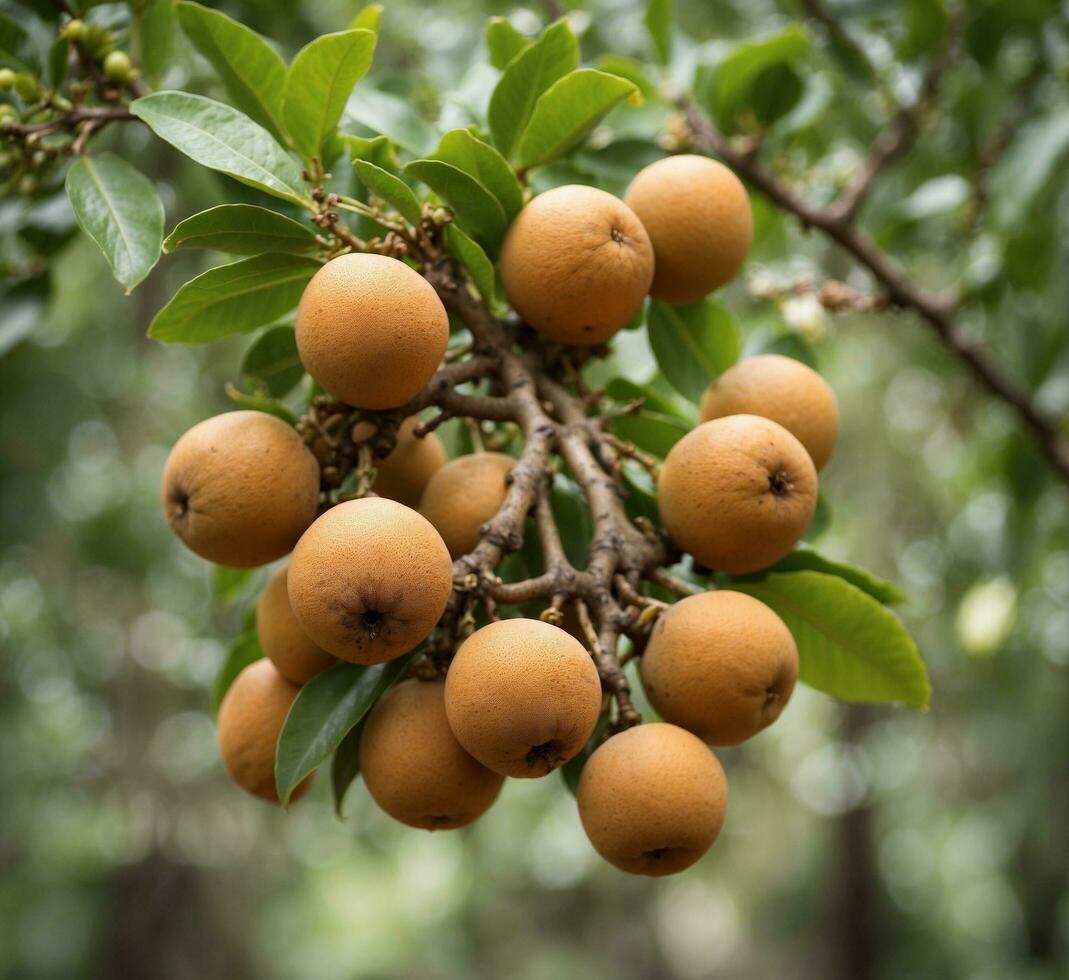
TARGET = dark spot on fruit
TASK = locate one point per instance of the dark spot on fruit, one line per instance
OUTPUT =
(618, 236)
(547, 755)
(780, 483)
(373, 621)
(658, 853)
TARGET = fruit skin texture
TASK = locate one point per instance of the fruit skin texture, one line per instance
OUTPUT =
(697, 214)
(463, 495)
(286, 645)
(576, 264)
(414, 767)
(250, 719)
(784, 390)
(737, 493)
(522, 696)
(240, 488)
(721, 665)
(369, 580)
(371, 330)
(652, 799)
(405, 473)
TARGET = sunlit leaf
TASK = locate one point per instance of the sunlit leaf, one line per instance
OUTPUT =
(242, 229)
(693, 344)
(476, 209)
(504, 42)
(468, 153)
(390, 189)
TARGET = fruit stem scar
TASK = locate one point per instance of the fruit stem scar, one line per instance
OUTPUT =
(618, 236)
(548, 753)
(373, 622)
(780, 483)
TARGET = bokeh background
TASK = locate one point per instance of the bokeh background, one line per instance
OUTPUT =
(861, 842)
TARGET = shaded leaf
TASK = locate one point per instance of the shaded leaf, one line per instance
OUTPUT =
(470, 154)
(250, 69)
(234, 298)
(242, 229)
(849, 645)
(118, 207)
(378, 150)
(693, 344)
(650, 431)
(658, 21)
(476, 209)
(390, 189)
(223, 139)
(391, 116)
(345, 765)
(325, 711)
(228, 583)
(242, 652)
(272, 361)
(319, 83)
(470, 255)
(573, 768)
(760, 76)
(622, 390)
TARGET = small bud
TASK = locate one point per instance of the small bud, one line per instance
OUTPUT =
(73, 30)
(8, 113)
(117, 66)
(7, 79)
(27, 87)
(61, 103)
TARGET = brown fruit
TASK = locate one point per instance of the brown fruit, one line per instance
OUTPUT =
(286, 645)
(369, 580)
(522, 696)
(697, 214)
(576, 264)
(737, 493)
(250, 720)
(403, 475)
(414, 767)
(240, 488)
(784, 390)
(721, 665)
(371, 330)
(652, 799)
(463, 495)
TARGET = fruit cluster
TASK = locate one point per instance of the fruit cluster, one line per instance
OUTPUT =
(370, 578)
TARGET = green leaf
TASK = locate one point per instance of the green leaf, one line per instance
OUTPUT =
(1033, 161)
(693, 344)
(566, 113)
(849, 645)
(475, 208)
(345, 765)
(650, 431)
(391, 189)
(325, 711)
(243, 651)
(17, 50)
(658, 22)
(806, 559)
(260, 403)
(250, 69)
(368, 18)
(470, 255)
(319, 83)
(272, 361)
(760, 76)
(118, 208)
(234, 298)
(622, 390)
(504, 42)
(391, 116)
(58, 61)
(228, 583)
(525, 78)
(633, 71)
(379, 150)
(223, 139)
(470, 154)
(927, 22)
(242, 229)
(157, 32)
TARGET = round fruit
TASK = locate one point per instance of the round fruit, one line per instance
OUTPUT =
(721, 665)
(371, 330)
(250, 720)
(414, 767)
(522, 696)
(784, 390)
(240, 488)
(369, 580)
(697, 214)
(286, 645)
(403, 475)
(463, 495)
(652, 799)
(576, 264)
(737, 493)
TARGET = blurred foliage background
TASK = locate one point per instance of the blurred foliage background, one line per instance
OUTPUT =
(859, 842)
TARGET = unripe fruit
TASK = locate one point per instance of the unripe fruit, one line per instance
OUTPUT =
(117, 66)
(414, 767)
(522, 696)
(251, 717)
(369, 580)
(737, 493)
(240, 488)
(27, 87)
(405, 473)
(7, 79)
(652, 799)
(576, 264)
(697, 214)
(463, 495)
(721, 665)
(371, 330)
(73, 30)
(286, 645)
(784, 390)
